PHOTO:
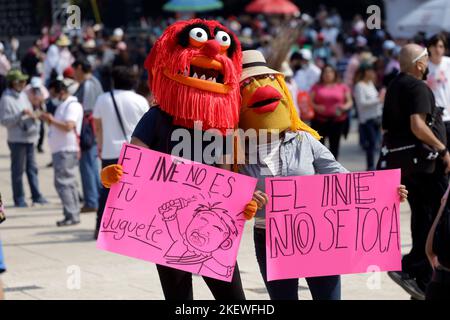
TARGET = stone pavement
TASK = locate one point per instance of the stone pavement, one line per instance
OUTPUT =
(44, 260)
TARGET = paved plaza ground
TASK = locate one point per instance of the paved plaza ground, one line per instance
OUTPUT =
(43, 259)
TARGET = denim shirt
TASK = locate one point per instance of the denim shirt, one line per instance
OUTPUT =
(301, 155)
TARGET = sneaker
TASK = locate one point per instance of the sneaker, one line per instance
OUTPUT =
(87, 209)
(40, 201)
(408, 284)
(67, 222)
(21, 205)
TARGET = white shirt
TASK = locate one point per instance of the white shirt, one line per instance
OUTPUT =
(131, 107)
(367, 101)
(66, 141)
(439, 82)
(307, 77)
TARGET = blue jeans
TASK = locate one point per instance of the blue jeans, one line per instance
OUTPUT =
(2, 262)
(370, 136)
(23, 160)
(322, 288)
(90, 177)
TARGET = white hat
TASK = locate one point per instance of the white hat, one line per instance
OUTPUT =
(306, 54)
(286, 70)
(36, 82)
(388, 45)
(118, 33)
(254, 64)
(90, 44)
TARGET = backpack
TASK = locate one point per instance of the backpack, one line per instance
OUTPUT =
(87, 135)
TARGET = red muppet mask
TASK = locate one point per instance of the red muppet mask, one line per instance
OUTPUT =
(194, 70)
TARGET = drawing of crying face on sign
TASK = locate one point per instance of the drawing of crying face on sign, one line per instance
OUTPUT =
(210, 229)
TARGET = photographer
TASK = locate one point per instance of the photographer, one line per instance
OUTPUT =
(16, 114)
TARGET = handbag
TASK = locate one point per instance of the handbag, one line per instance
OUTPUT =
(409, 153)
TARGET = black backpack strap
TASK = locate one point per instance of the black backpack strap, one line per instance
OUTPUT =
(118, 115)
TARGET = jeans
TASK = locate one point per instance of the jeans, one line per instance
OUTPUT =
(424, 196)
(90, 177)
(104, 192)
(2, 262)
(322, 288)
(23, 160)
(331, 130)
(177, 285)
(370, 132)
(65, 166)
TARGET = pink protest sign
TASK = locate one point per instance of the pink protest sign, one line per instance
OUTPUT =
(333, 224)
(176, 213)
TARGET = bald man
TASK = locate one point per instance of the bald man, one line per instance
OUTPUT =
(409, 110)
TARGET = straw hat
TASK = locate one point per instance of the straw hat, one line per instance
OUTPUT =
(16, 75)
(63, 41)
(254, 64)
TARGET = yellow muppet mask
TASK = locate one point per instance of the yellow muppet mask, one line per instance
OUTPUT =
(266, 101)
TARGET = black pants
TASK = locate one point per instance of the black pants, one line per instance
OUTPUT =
(425, 193)
(331, 130)
(103, 196)
(177, 285)
(439, 287)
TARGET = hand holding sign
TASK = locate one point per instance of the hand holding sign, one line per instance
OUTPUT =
(184, 215)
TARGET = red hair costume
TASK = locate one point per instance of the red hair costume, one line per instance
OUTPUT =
(194, 70)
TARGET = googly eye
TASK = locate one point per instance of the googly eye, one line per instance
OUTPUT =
(198, 34)
(223, 38)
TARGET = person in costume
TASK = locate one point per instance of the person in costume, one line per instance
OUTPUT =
(267, 107)
(194, 70)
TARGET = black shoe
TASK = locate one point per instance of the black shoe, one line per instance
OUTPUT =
(67, 222)
(40, 150)
(49, 165)
(408, 283)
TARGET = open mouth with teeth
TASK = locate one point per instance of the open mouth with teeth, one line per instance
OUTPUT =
(204, 74)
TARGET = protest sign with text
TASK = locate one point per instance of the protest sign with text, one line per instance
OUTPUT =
(177, 213)
(332, 224)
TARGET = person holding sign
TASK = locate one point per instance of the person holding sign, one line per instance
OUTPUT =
(194, 71)
(291, 148)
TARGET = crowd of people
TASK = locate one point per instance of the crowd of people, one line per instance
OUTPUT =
(84, 94)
